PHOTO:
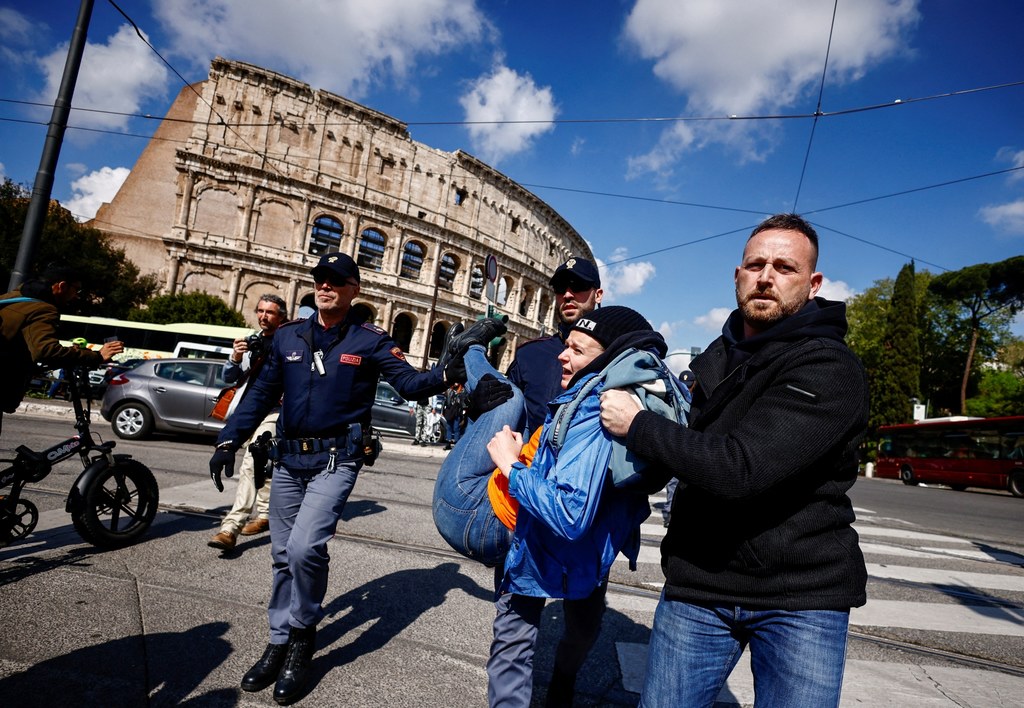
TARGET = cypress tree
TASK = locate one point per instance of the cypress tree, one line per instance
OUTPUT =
(898, 377)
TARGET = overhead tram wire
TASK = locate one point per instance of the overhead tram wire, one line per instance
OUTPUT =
(817, 109)
(815, 116)
(670, 202)
(898, 102)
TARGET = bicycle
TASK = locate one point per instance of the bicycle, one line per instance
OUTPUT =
(113, 501)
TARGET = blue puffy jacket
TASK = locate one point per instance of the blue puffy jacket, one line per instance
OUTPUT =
(573, 520)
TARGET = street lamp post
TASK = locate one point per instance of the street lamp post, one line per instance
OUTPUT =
(43, 186)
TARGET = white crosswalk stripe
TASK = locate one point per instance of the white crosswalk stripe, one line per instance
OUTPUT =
(903, 560)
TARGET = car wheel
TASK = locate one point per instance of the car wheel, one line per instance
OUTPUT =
(437, 432)
(907, 476)
(958, 487)
(131, 421)
(1016, 485)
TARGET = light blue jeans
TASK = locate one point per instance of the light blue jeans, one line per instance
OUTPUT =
(796, 657)
(462, 510)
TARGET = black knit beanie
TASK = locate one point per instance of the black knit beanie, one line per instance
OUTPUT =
(606, 324)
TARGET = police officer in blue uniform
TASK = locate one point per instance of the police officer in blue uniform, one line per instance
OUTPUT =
(326, 368)
(536, 370)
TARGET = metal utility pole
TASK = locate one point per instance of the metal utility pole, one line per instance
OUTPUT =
(37, 208)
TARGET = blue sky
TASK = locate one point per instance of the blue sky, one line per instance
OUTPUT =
(628, 104)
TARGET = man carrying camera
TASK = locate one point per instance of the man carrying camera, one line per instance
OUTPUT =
(243, 366)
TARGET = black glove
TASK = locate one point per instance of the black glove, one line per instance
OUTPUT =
(490, 392)
(455, 371)
(223, 459)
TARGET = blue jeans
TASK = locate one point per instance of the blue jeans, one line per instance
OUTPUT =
(796, 657)
(305, 506)
(455, 430)
(462, 510)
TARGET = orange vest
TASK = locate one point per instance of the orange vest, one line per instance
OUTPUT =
(505, 507)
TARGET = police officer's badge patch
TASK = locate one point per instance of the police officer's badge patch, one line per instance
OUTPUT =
(354, 359)
(398, 353)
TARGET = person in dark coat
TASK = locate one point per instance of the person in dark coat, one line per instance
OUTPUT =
(28, 332)
(760, 552)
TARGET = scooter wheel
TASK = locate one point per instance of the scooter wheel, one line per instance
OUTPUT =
(18, 523)
(118, 505)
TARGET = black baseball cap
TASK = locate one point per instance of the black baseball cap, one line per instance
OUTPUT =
(336, 267)
(576, 268)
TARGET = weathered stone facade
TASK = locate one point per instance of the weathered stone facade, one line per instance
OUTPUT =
(252, 175)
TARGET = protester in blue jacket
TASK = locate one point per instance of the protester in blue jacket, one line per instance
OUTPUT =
(560, 521)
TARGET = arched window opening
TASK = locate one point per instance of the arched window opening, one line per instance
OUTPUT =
(447, 272)
(460, 196)
(437, 335)
(476, 282)
(543, 311)
(360, 313)
(401, 331)
(325, 236)
(412, 260)
(525, 301)
(307, 306)
(371, 250)
(504, 287)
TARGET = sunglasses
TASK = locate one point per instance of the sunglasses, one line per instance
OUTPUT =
(334, 282)
(574, 284)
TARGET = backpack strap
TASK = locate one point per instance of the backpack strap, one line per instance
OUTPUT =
(12, 300)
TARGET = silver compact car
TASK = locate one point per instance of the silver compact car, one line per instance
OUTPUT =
(165, 395)
(392, 413)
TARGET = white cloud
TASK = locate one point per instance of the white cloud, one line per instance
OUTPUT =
(620, 279)
(504, 95)
(343, 46)
(1008, 218)
(735, 57)
(116, 76)
(93, 189)
(1015, 158)
(713, 320)
(836, 290)
(3, 172)
(15, 28)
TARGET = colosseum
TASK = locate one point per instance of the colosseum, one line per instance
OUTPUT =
(252, 176)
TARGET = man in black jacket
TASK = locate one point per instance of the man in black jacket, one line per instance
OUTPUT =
(760, 551)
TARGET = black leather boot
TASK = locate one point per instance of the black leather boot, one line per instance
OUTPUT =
(301, 645)
(264, 672)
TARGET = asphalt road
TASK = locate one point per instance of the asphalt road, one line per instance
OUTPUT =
(171, 621)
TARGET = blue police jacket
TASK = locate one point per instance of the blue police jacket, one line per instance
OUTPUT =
(325, 402)
(537, 372)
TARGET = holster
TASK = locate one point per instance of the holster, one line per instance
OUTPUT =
(371, 446)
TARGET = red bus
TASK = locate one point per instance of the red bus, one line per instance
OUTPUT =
(978, 452)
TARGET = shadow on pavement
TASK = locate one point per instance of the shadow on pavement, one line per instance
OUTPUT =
(160, 670)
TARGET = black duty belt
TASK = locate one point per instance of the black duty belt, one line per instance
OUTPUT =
(308, 446)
